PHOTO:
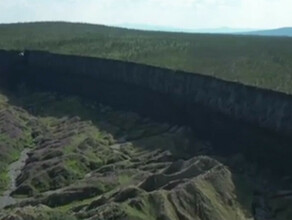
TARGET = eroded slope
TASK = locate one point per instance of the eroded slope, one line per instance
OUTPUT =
(88, 161)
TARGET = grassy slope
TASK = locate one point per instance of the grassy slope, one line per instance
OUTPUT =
(261, 61)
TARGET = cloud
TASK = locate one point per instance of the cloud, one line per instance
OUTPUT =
(176, 13)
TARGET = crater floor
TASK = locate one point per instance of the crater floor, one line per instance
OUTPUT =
(63, 157)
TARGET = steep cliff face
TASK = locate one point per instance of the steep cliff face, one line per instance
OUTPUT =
(234, 116)
(260, 107)
(9, 62)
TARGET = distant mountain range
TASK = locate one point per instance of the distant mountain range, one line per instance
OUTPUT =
(287, 31)
(221, 30)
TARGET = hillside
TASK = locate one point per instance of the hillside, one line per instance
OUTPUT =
(260, 61)
(280, 32)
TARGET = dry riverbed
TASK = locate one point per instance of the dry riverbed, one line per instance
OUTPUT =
(14, 171)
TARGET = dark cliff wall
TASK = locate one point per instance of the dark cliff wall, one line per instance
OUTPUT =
(263, 108)
(11, 65)
(234, 117)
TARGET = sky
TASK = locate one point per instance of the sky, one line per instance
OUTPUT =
(189, 14)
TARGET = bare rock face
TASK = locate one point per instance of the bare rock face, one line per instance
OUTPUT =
(88, 161)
